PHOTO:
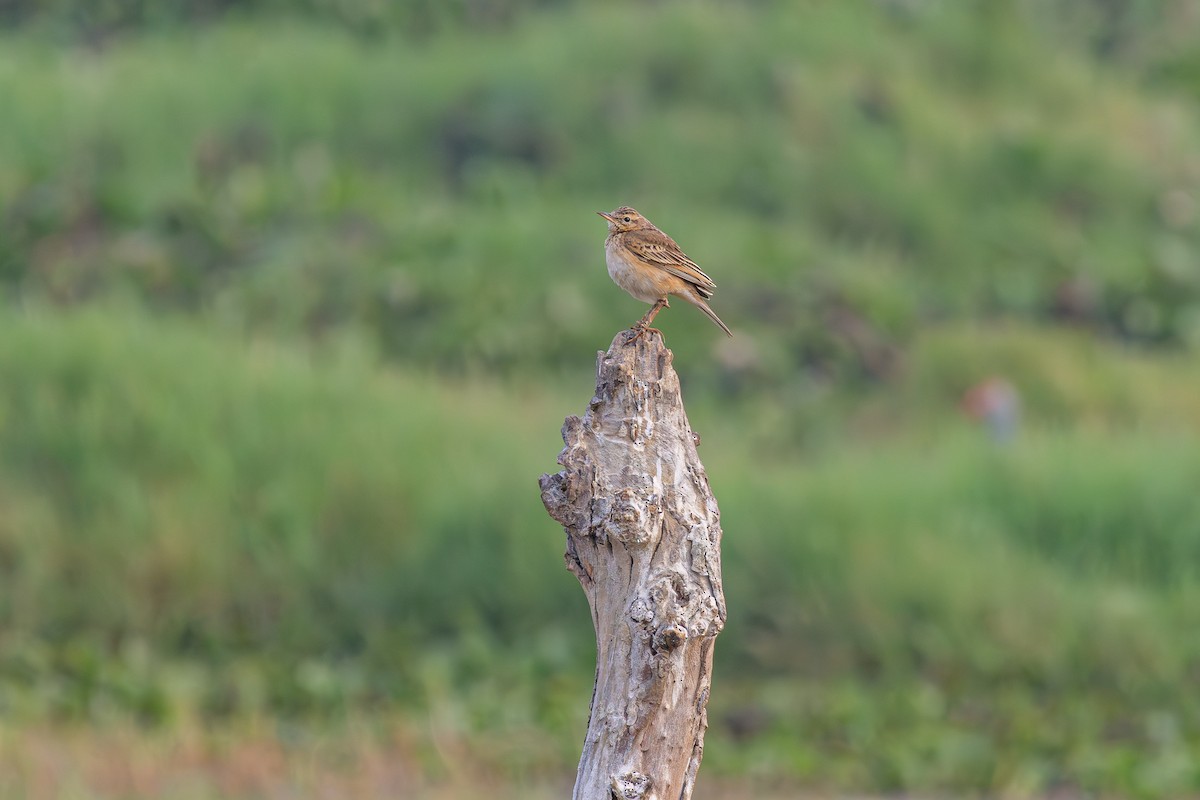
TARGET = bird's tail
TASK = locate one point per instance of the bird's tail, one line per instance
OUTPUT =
(695, 299)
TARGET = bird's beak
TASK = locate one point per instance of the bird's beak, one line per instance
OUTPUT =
(606, 216)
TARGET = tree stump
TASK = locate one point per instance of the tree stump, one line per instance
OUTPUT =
(643, 538)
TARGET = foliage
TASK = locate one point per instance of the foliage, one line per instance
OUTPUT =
(866, 171)
(294, 294)
(293, 527)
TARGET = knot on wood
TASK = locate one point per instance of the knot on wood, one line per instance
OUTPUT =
(669, 594)
(627, 517)
(708, 619)
(669, 637)
(675, 603)
(632, 785)
(567, 495)
(554, 498)
(641, 611)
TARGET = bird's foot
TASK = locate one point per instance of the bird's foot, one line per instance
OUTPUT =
(643, 324)
(637, 331)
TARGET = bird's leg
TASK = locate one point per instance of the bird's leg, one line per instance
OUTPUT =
(653, 312)
(643, 324)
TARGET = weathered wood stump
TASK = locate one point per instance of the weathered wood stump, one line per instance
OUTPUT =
(643, 537)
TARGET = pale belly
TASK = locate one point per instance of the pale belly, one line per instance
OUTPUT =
(634, 281)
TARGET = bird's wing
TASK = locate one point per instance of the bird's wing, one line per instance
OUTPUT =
(661, 251)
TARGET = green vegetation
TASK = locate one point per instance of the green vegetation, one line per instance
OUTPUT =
(863, 172)
(250, 530)
(290, 314)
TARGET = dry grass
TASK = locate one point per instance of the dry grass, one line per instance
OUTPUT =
(258, 760)
(358, 760)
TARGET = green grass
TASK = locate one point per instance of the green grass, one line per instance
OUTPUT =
(314, 533)
(440, 194)
(136, 447)
(291, 311)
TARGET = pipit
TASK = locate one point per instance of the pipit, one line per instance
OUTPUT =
(648, 264)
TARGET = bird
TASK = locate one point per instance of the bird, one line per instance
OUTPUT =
(647, 264)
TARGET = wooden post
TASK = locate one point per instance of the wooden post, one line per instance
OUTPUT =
(643, 537)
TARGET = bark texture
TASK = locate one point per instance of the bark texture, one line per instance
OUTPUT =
(643, 537)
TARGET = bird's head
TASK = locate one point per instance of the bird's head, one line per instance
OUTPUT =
(625, 219)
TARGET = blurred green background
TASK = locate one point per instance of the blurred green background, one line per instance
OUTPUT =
(294, 295)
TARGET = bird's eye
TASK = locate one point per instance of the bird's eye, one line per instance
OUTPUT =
(627, 219)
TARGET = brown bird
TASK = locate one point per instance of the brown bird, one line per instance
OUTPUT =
(648, 264)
